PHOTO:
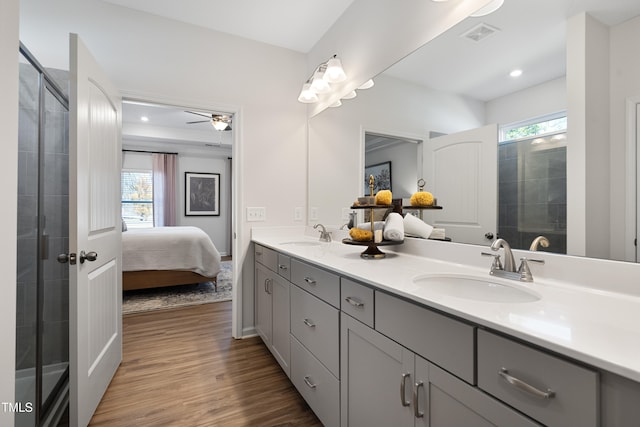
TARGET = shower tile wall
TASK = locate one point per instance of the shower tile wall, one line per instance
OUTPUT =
(532, 194)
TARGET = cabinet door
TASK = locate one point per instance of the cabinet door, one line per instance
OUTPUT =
(376, 376)
(280, 341)
(263, 310)
(444, 400)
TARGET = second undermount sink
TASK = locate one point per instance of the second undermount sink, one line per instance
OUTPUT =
(476, 288)
(302, 243)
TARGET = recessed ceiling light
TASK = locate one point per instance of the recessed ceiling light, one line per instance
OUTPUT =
(144, 118)
(516, 73)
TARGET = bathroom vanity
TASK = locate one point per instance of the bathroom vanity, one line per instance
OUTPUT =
(420, 338)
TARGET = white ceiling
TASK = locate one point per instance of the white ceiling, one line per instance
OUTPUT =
(531, 37)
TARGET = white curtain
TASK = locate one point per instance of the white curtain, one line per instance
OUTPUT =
(164, 189)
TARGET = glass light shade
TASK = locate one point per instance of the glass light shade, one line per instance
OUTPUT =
(307, 95)
(219, 125)
(318, 84)
(334, 72)
(350, 95)
(490, 8)
(336, 104)
(366, 85)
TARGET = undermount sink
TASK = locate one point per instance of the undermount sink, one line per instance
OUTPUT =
(475, 288)
(302, 243)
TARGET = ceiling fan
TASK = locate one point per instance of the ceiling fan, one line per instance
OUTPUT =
(219, 121)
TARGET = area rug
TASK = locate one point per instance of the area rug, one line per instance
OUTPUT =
(142, 300)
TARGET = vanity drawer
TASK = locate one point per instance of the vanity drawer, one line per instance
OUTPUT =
(441, 340)
(284, 266)
(560, 394)
(319, 282)
(318, 387)
(267, 257)
(316, 325)
(357, 301)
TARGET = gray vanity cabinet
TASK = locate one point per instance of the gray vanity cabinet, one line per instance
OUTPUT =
(272, 304)
(385, 384)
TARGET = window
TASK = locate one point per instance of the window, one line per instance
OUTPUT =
(137, 198)
(538, 126)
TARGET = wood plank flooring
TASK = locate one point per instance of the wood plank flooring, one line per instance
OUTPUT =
(182, 368)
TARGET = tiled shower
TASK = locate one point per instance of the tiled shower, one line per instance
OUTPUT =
(42, 327)
(532, 191)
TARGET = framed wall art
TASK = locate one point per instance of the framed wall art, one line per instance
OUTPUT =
(382, 177)
(202, 194)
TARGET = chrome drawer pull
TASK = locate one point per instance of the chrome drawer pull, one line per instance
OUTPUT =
(282, 267)
(403, 390)
(307, 381)
(527, 388)
(310, 281)
(354, 302)
(416, 400)
(309, 323)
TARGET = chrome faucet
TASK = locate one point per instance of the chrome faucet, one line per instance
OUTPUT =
(509, 262)
(325, 236)
(523, 273)
(540, 240)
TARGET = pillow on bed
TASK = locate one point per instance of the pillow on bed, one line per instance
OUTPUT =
(124, 225)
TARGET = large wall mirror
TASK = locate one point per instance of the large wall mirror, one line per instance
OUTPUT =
(460, 81)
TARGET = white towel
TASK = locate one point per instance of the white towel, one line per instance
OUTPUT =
(393, 227)
(377, 225)
(416, 227)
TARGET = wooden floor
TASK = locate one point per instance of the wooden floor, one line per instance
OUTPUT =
(182, 368)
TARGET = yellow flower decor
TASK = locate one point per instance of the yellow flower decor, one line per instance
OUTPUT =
(383, 197)
(360, 235)
(421, 198)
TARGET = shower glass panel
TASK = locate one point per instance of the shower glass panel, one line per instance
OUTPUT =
(532, 191)
(42, 338)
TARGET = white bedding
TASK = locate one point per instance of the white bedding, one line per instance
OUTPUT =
(169, 248)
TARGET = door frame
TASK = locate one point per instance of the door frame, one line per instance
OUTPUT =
(236, 187)
(632, 197)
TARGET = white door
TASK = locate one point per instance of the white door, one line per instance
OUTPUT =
(461, 171)
(95, 295)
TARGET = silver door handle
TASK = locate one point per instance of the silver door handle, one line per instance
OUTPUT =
(307, 381)
(88, 256)
(416, 400)
(354, 302)
(67, 258)
(403, 390)
(523, 386)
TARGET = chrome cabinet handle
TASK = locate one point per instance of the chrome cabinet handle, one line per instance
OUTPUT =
(416, 400)
(310, 281)
(307, 381)
(354, 302)
(309, 323)
(403, 390)
(282, 267)
(267, 282)
(523, 386)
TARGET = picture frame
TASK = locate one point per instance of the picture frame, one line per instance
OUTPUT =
(382, 177)
(202, 194)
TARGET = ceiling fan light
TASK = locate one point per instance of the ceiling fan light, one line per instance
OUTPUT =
(366, 85)
(490, 8)
(334, 72)
(307, 95)
(219, 124)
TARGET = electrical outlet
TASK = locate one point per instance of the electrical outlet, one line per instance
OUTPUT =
(314, 214)
(297, 214)
(256, 214)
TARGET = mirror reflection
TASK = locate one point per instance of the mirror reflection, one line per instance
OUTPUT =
(454, 84)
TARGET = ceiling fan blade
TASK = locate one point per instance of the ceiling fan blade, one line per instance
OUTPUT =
(199, 121)
(199, 114)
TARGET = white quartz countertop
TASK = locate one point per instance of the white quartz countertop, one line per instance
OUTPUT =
(599, 327)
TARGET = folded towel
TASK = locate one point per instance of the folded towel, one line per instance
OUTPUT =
(377, 225)
(393, 227)
(416, 227)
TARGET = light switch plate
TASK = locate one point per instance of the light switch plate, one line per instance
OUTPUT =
(256, 214)
(313, 214)
(297, 214)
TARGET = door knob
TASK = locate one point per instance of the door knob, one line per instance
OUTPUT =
(489, 236)
(87, 256)
(67, 258)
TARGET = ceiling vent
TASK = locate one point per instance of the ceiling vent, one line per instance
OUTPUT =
(480, 32)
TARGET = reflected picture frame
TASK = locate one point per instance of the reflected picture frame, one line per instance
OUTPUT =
(202, 194)
(382, 177)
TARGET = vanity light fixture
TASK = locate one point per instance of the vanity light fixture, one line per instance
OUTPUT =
(490, 8)
(516, 73)
(336, 104)
(369, 83)
(350, 95)
(327, 72)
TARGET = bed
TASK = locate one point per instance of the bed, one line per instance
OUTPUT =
(167, 256)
